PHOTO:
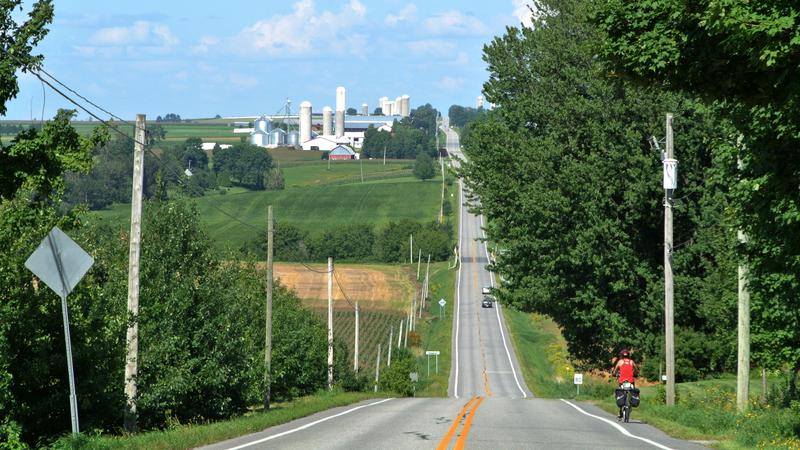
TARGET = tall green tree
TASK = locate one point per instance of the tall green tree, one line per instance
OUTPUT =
(572, 193)
(423, 166)
(741, 58)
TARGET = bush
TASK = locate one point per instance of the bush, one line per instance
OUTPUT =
(396, 377)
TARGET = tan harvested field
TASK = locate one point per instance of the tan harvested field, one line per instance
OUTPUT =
(376, 287)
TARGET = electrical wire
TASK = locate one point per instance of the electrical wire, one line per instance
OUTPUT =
(313, 269)
(35, 72)
(341, 289)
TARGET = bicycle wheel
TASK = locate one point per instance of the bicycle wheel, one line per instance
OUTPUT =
(627, 407)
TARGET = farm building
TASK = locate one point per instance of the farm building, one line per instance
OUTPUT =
(324, 143)
(342, 152)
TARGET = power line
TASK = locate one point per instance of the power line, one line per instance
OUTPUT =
(114, 128)
(341, 289)
(313, 269)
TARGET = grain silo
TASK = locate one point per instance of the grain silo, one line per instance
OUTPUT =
(327, 121)
(382, 102)
(293, 138)
(277, 137)
(364, 109)
(397, 108)
(340, 107)
(305, 121)
(405, 105)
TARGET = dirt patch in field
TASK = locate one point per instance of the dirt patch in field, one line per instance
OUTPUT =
(375, 287)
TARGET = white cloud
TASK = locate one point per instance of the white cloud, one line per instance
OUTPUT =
(303, 31)
(525, 12)
(434, 47)
(141, 32)
(204, 44)
(455, 23)
(408, 12)
(448, 83)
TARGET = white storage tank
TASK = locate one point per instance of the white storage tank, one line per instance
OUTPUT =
(293, 138)
(327, 121)
(259, 138)
(305, 121)
(277, 137)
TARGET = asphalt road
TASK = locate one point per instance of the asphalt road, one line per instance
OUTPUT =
(489, 405)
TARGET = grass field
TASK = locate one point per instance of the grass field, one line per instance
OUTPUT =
(310, 208)
(315, 173)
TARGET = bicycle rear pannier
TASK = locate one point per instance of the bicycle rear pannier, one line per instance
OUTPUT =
(619, 395)
(635, 397)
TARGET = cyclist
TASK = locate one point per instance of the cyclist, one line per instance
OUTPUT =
(624, 369)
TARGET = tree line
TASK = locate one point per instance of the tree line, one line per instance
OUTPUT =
(409, 137)
(182, 167)
(571, 185)
(360, 242)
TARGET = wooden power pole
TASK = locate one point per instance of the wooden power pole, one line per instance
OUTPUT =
(132, 337)
(669, 332)
(268, 324)
(330, 322)
(355, 350)
(743, 362)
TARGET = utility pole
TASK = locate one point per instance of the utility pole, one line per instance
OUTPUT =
(411, 249)
(391, 338)
(378, 367)
(441, 204)
(132, 336)
(427, 280)
(268, 324)
(384, 155)
(743, 361)
(355, 352)
(419, 260)
(400, 335)
(330, 322)
(408, 326)
(668, 281)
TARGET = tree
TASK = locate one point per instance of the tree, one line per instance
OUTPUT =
(739, 57)
(351, 112)
(378, 111)
(423, 167)
(572, 195)
(17, 42)
(248, 165)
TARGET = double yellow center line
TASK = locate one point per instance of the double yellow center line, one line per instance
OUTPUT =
(472, 405)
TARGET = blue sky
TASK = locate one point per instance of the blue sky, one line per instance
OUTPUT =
(232, 58)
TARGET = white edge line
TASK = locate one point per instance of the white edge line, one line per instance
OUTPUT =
(457, 311)
(617, 426)
(308, 425)
(497, 310)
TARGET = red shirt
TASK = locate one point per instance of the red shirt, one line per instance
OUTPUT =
(626, 370)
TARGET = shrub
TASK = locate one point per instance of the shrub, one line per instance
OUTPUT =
(396, 377)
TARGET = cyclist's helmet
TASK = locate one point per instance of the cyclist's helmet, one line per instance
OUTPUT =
(624, 353)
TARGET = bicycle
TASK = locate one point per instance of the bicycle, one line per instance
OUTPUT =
(627, 397)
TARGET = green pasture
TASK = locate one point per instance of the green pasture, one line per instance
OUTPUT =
(311, 208)
(319, 172)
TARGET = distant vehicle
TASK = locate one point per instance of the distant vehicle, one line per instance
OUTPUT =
(487, 302)
(486, 290)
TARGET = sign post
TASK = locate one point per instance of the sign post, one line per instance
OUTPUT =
(414, 376)
(441, 308)
(61, 263)
(434, 353)
(578, 380)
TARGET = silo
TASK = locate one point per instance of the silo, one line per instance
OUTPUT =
(364, 109)
(397, 108)
(305, 121)
(277, 137)
(340, 107)
(259, 138)
(382, 102)
(405, 105)
(327, 122)
(262, 124)
(479, 102)
(293, 139)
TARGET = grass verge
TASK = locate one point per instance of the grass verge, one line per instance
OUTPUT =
(705, 410)
(436, 331)
(184, 436)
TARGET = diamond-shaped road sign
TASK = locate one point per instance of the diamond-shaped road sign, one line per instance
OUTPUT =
(59, 262)
(442, 302)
